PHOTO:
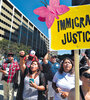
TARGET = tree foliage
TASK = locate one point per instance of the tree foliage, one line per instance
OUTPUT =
(6, 46)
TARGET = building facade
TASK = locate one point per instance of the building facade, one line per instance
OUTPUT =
(80, 2)
(16, 27)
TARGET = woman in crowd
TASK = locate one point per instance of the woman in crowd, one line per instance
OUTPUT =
(85, 87)
(64, 80)
(32, 82)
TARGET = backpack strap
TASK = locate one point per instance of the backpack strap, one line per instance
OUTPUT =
(41, 94)
(42, 79)
(81, 93)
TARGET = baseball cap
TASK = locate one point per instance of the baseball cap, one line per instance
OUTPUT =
(32, 53)
(10, 54)
(83, 68)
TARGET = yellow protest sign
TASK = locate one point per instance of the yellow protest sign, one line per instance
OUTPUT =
(72, 29)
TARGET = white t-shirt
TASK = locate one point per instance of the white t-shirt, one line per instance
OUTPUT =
(65, 82)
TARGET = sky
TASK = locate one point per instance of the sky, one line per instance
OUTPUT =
(27, 7)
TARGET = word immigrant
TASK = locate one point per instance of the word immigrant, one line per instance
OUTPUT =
(74, 23)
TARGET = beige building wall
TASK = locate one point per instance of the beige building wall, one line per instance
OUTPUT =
(16, 27)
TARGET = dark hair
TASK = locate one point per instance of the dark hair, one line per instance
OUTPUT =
(39, 70)
(61, 70)
(87, 52)
(83, 69)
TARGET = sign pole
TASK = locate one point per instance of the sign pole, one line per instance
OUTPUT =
(76, 59)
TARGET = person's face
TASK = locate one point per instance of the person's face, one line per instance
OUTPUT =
(34, 67)
(85, 78)
(30, 57)
(67, 65)
(10, 58)
(53, 59)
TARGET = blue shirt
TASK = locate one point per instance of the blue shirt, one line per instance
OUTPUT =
(54, 67)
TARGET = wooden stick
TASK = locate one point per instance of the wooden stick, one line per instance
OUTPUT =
(76, 62)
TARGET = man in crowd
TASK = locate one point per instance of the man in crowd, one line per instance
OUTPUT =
(9, 70)
(29, 58)
(52, 66)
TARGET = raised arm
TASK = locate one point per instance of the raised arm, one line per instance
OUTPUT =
(87, 59)
(46, 57)
(22, 61)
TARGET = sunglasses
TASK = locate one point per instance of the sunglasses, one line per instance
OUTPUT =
(86, 75)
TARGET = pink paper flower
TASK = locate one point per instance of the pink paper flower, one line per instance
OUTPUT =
(49, 13)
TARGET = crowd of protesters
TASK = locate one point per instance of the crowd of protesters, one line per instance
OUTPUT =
(44, 79)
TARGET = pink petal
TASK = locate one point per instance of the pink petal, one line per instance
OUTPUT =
(41, 11)
(62, 9)
(54, 3)
(49, 20)
(41, 19)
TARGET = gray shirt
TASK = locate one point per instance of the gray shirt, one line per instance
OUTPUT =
(30, 93)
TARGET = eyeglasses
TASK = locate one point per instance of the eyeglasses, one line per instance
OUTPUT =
(86, 75)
